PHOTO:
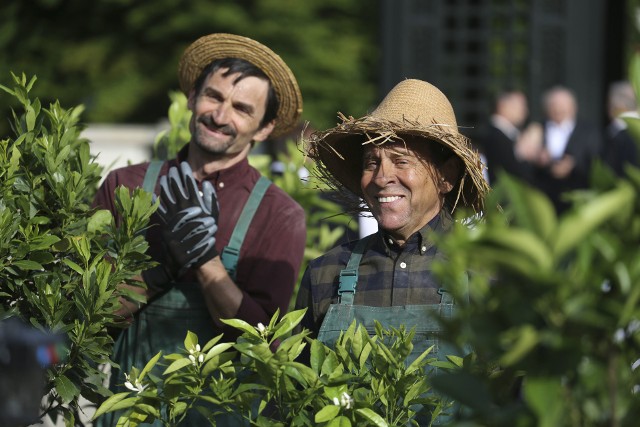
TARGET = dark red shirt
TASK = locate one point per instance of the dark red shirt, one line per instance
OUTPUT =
(273, 248)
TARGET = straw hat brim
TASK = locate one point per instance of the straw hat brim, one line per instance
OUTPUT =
(338, 154)
(220, 45)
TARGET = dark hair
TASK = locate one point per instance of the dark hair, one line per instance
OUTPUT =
(245, 69)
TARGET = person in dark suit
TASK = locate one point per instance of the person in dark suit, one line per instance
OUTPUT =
(620, 149)
(501, 139)
(569, 147)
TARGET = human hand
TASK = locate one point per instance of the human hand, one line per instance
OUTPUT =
(563, 167)
(191, 218)
(179, 191)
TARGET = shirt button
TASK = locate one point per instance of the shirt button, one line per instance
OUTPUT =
(221, 184)
(403, 265)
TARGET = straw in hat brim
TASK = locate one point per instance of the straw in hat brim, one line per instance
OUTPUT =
(338, 154)
(220, 45)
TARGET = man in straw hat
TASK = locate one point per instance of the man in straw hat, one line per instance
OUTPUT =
(413, 168)
(228, 243)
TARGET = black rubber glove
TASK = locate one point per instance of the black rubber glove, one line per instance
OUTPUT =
(191, 218)
(190, 238)
(159, 277)
(179, 191)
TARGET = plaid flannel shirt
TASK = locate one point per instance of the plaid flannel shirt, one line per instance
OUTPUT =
(389, 275)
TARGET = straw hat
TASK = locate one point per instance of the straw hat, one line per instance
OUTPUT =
(218, 46)
(411, 108)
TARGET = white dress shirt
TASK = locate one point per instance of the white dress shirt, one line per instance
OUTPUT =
(557, 136)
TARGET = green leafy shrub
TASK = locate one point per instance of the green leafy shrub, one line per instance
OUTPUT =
(61, 261)
(553, 309)
(365, 381)
(553, 312)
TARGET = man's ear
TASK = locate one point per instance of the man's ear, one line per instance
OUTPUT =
(191, 99)
(449, 174)
(264, 132)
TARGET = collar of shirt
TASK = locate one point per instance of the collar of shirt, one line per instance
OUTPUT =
(422, 239)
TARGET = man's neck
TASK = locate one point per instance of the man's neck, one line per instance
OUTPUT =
(204, 164)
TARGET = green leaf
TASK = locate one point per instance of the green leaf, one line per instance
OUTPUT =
(242, 325)
(28, 265)
(75, 267)
(107, 405)
(211, 343)
(220, 348)
(520, 341)
(43, 242)
(117, 404)
(317, 355)
(340, 422)
(149, 366)
(99, 221)
(327, 413)
(578, 224)
(190, 341)
(372, 417)
(66, 388)
(545, 397)
(288, 322)
(177, 365)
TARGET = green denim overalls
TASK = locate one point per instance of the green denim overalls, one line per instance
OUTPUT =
(162, 325)
(424, 318)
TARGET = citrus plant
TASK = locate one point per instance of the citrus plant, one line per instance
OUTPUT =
(61, 260)
(365, 381)
(553, 308)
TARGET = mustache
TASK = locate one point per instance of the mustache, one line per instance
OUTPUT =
(210, 123)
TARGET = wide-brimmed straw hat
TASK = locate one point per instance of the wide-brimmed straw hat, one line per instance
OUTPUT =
(220, 45)
(411, 108)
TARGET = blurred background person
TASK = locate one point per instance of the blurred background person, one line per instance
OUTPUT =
(569, 147)
(620, 148)
(502, 141)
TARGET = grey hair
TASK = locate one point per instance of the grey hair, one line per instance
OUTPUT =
(622, 97)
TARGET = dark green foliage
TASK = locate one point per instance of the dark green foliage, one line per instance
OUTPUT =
(364, 382)
(120, 57)
(60, 260)
(553, 307)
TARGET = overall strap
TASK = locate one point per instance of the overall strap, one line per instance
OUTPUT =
(349, 275)
(231, 252)
(151, 176)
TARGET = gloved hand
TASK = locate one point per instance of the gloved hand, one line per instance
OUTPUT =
(191, 218)
(179, 191)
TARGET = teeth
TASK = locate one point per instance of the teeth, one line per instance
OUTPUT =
(388, 199)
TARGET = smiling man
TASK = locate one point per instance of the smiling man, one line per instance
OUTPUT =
(412, 167)
(228, 243)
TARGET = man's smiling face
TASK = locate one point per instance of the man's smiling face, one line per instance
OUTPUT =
(227, 114)
(401, 186)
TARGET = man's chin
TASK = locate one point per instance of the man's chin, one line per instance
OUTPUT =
(212, 147)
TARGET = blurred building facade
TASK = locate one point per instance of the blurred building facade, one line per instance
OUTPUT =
(472, 49)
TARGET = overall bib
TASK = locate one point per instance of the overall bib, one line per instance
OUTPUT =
(421, 317)
(162, 325)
